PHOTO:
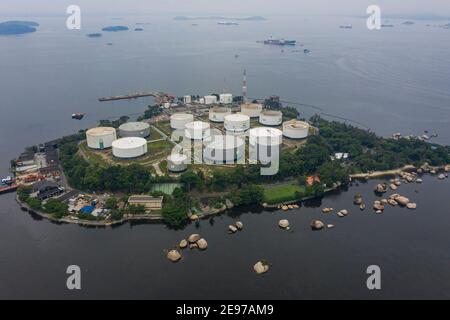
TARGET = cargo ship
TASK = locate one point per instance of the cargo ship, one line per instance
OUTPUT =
(280, 42)
(77, 116)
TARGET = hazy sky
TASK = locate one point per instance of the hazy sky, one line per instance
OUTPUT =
(229, 7)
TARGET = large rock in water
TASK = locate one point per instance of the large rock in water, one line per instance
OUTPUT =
(283, 224)
(378, 206)
(357, 199)
(381, 188)
(401, 200)
(239, 225)
(317, 225)
(173, 255)
(183, 244)
(232, 228)
(202, 244)
(411, 206)
(260, 267)
(194, 238)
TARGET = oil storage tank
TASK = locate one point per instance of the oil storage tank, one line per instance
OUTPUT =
(197, 130)
(101, 137)
(179, 120)
(177, 163)
(265, 143)
(237, 123)
(134, 129)
(296, 129)
(224, 149)
(271, 117)
(129, 148)
(226, 98)
(218, 114)
(253, 110)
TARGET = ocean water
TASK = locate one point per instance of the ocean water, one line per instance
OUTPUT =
(392, 80)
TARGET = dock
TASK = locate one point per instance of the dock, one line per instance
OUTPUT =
(6, 189)
(160, 97)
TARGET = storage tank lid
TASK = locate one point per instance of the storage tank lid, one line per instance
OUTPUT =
(129, 143)
(100, 131)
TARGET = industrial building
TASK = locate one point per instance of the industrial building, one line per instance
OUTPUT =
(237, 123)
(210, 100)
(226, 98)
(224, 149)
(271, 117)
(218, 114)
(128, 148)
(177, 163)
(296, 129)
(100, 137)
(253, 110)
(197, 130)
(134, 129)
(150, 203)
(178, 121)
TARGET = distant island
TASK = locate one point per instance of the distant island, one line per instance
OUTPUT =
(94, 35)
(253, 18)
(138, 29)
(115, 28)
(18, 27)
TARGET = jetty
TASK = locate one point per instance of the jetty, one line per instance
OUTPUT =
(161, 97)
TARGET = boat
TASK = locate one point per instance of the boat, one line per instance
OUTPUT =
(7, 181)
(280, 42)
(77, 116)
(347, 26)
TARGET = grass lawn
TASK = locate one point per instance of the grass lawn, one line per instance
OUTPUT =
(282, 192)
(154, 135)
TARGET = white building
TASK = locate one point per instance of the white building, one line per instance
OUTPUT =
(187, 99)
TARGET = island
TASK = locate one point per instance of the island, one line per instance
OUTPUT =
(94, 185)
(18, 27)
(138, 29)
(115, 28)
(252, 18)
(94, 35)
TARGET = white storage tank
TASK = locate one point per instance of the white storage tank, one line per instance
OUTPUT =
(187, 99)
(253, 110)
(271, 117)
(265, 142)
(224, 149)
(210, 99)
(177, 162)
(100, 137)
(218, 114)
(179, 120)
(197, 130)
(134, 129)
(295, 129)
(226, 98)
(237, 122)
(128, 148)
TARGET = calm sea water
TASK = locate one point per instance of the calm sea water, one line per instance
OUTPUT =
(393, 80)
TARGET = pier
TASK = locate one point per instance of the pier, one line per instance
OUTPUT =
(160, 97)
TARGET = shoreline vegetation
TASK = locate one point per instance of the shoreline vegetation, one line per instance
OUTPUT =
(306, 171)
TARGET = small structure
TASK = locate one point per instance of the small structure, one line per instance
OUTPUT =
(226, 98)
(45, 189)
(150, 203)
(187, 99)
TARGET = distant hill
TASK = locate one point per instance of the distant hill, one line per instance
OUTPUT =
(253, 18)
(115, 28)
(18, 27)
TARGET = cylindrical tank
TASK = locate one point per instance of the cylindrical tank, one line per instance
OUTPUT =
(271, 117)
(179, 120)
(210, 99)
(237, 122)
(224, 149)
(217, 114)
(226, 98)
(176, 162)
(100, 137)
(253, 110)
(265, 144)
(128, 148)
(295, 129)
(134, 129)
(197, 130)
